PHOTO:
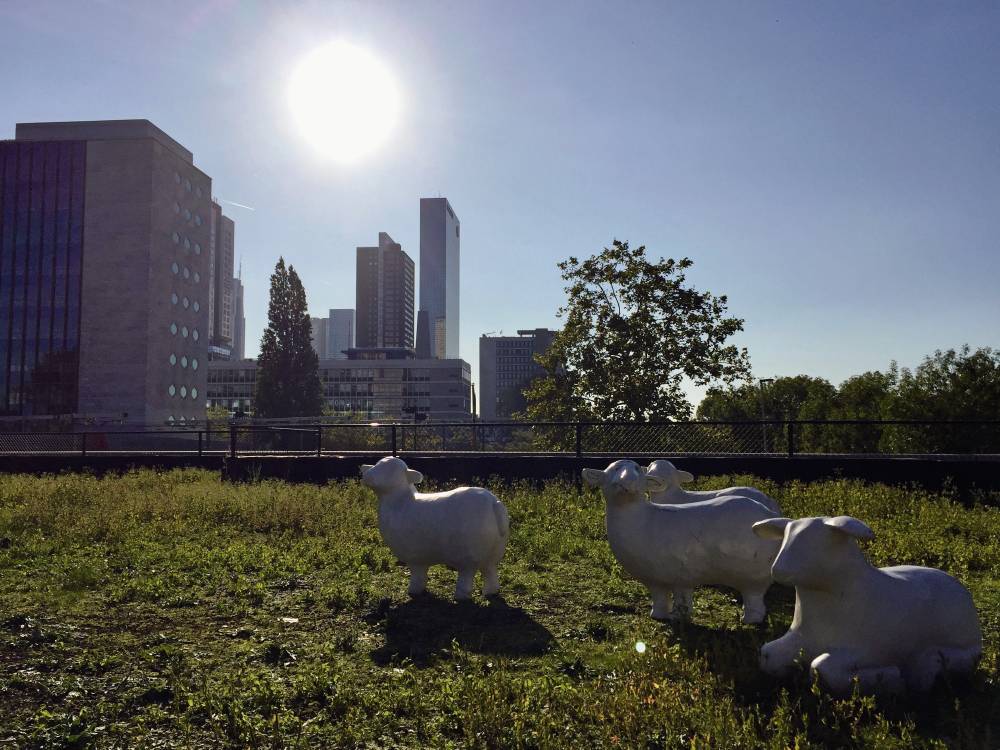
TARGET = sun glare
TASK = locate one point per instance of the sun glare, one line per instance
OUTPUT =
(344, 101)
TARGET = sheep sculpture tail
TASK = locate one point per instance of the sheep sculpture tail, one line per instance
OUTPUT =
(503, 520)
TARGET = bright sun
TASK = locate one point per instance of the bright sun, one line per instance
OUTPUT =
(344, 101)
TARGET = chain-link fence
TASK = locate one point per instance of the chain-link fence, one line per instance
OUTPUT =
(851, 437)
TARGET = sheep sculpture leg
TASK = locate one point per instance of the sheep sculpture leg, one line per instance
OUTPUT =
(683, 604)
(754, 609)
(491, 580)
(780, 656)
(923, 669)
(662, 603)
(838, 669)
(465, 585)
(418, 580)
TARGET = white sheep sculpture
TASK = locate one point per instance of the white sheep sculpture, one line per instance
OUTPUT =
(674, 494)
(888, 627)
(465, 529)
(671, 549)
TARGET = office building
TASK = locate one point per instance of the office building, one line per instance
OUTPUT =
(339, 333)
(319, 336)
(506, 368)
(381, 385)
(384, 296)
(239, 320)
(105, 239)
(439, 268)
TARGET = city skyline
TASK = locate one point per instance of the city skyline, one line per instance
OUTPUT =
(837, 194)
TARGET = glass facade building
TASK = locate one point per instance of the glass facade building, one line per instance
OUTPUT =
(41, 260)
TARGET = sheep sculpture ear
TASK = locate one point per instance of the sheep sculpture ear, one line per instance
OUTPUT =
(772, 528)
(684, 476)
(593, 477)
(413, 476)
(366, 467)
(851, 526)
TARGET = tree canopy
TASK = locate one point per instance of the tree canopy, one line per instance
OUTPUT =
(288, 382)
(634, 330)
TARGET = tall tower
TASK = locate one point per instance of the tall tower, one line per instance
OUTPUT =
(221, 302)
(340, 333)
(240, 322)
(439, 263)
(384, 296)
(104, 273)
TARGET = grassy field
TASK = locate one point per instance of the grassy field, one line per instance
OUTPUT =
(171, 610)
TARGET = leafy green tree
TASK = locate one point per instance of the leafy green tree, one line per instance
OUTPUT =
(634, 330)
(288, 382)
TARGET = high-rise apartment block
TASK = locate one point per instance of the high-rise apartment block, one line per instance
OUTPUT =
(339, 333)
(384, 296)
(506, 367)
(439, 268)
(105, 240)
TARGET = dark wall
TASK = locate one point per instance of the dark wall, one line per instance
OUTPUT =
(964, 474)
(100, 465)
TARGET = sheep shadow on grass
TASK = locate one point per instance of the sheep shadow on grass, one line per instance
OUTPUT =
(423, 628)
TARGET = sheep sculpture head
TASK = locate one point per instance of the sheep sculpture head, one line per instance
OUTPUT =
(624, 481)
(389, 474)
(812, 547)
(673, 476)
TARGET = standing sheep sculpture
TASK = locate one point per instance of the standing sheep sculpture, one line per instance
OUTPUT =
(671, 549)
(674, 494)
(465, 529)
(888, 627)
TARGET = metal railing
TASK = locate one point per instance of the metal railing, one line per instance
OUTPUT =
(764, 437)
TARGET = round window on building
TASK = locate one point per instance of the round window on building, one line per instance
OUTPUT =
(187, 244)
(197, 220)
(186, 302)
(173, 359)
(194, 364)
(194, 334)
(171, 390)
(174, 267)
(184, 331)
(173, 328)
(173, 298)
(196, 306)
(197, 249)
(177, 207)
(197, 277)
(187, 214)
(184, 392)
(187, 272)
(187, 185)
(184, 361)
(194, 393)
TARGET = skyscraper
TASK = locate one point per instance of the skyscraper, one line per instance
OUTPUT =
(221, 303)
(439, 263)
(104, 273)
(340, 333)
(384, 296)
(506, 367)
(240, 321)
(319, 336)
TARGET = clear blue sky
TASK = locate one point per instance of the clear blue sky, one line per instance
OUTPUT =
(833, 167)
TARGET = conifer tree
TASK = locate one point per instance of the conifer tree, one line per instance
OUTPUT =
(288, 382)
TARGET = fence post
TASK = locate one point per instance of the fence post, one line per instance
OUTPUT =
(791, 439)
(199, 443)
(83, 444)
(232, 441)
(394, 440)
(579, 440)
(319, 440)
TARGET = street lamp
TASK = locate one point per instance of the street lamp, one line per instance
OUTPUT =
(763, 424)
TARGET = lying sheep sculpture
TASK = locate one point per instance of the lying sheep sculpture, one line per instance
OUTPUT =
(887, 627)
(465, 529)
(671, 549)
(674, 494)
